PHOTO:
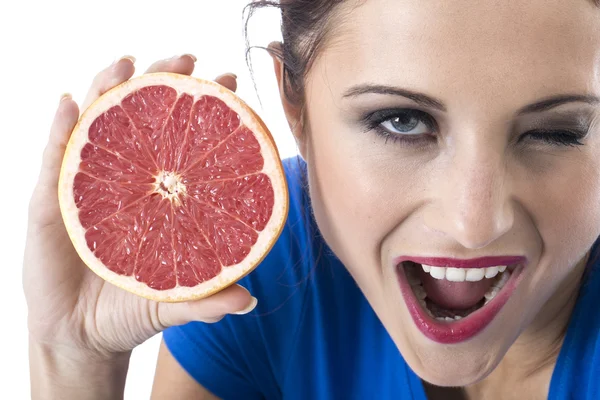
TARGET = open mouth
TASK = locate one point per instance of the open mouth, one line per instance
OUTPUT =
(451, 301)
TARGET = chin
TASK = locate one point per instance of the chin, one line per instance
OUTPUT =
(462, 369)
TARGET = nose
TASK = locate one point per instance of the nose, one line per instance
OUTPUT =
(472, 197)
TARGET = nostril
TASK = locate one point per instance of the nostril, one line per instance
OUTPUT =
(471, 231)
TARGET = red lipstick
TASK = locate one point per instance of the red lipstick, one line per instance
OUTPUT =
(452, 332)
(482, 262)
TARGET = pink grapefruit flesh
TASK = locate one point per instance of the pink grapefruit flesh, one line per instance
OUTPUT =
(172, 187)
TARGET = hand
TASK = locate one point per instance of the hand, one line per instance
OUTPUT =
(70, 307)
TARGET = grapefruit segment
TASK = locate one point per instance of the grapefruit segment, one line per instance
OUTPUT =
(238, 154)
(155, 259)
(172, 188)
(211, 122)
(114, 132)
(192, 249)
(103, 165)
(175, 133)
(248, 198)
(98, 200)
(230, 238)
(117, 238)
(148, 109)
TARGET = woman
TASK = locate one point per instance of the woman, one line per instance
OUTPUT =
(451, 152)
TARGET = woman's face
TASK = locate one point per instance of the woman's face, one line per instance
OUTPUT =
(458, 130)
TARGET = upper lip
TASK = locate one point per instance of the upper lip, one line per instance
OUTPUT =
(481, 262)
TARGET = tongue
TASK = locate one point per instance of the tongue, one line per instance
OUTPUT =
(454, 295)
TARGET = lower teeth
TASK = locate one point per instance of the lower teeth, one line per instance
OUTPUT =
(497, 285)
(421, 295)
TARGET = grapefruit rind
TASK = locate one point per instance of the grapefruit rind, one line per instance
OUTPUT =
(272, 167)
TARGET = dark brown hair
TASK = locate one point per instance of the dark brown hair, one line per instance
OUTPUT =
(305, 25)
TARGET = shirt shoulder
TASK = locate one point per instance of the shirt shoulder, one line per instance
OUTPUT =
(246, 355)
(577, 371)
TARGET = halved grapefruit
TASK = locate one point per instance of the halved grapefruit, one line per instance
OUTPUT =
(172, 187)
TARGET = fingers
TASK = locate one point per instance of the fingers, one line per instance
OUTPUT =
(110, 77)
(124, 69)
(43, 205)
(232, 300)
(183, 64)
(228, 80)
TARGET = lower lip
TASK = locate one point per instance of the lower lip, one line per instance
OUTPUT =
(452, 332)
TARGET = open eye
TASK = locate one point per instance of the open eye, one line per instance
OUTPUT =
(401, 122)
(406, 124)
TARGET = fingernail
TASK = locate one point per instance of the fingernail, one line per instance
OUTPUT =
(250, 307)
(130, 58)
(193, 57)
(65, 96)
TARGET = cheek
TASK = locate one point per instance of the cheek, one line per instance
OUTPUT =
(565, 204)
(358, 192)
(342, 198)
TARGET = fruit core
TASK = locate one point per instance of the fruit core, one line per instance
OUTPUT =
(170, 186)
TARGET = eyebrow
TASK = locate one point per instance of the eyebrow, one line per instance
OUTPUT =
(556, 101)
(419, 98)
(431, 102)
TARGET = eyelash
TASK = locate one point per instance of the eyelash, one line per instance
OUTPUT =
(561, 137)
(374, 121)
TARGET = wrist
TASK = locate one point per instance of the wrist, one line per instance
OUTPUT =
(58, 373)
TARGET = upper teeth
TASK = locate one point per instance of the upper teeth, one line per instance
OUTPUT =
(463, 274)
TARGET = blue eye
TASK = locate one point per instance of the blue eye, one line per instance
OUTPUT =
(402, 124)
(406, 124)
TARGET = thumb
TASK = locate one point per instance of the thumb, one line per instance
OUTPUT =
(232, 300)
(64, 121)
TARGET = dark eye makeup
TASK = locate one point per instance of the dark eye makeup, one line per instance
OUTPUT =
(565, 132)
(401, 116)
(561, 137)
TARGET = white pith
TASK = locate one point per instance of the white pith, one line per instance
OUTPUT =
(412, 276)
(272, 168)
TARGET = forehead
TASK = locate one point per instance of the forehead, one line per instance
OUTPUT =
(448, 48)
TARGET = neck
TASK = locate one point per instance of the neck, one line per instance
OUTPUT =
(530, 361)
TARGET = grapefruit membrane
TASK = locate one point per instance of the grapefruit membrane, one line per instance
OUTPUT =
(172, 187)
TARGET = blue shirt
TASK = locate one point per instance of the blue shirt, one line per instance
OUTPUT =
(314, 336)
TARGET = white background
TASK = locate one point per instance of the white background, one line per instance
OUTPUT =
(51, 47)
